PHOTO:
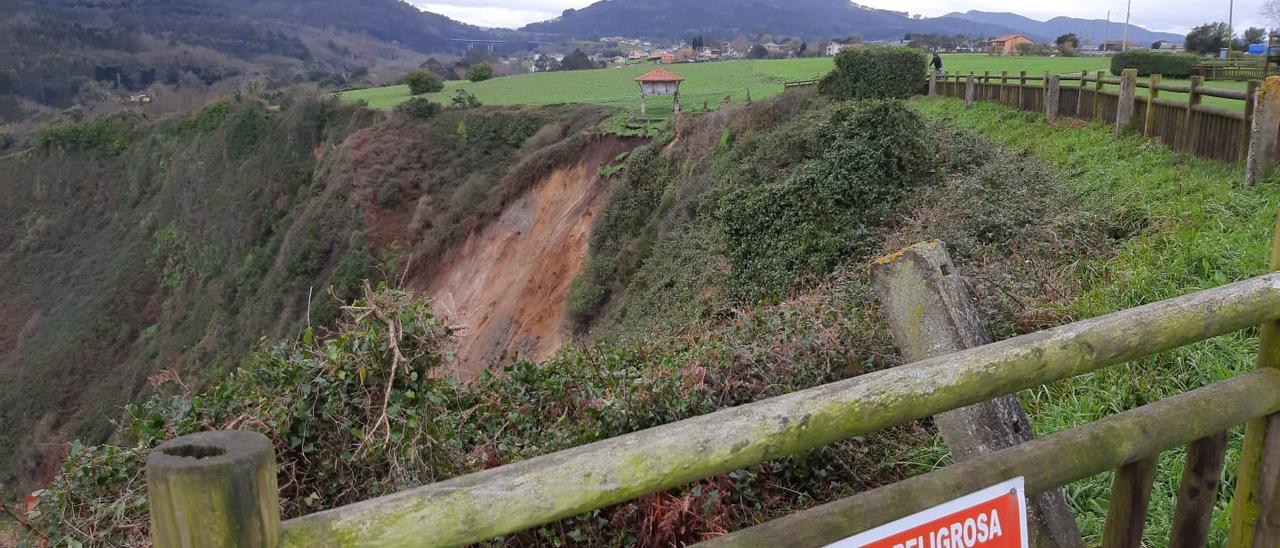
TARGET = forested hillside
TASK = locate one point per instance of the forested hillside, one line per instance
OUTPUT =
(60, 53)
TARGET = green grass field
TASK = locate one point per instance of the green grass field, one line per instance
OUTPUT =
(1193, 226)
(705, 82)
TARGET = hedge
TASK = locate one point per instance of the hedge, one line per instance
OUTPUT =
(1169, 65)
(875, 73)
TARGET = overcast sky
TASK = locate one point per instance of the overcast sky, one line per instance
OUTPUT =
(1164, 15)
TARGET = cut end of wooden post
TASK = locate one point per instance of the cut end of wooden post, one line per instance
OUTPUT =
(214, 489)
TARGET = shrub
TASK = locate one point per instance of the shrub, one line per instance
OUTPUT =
(420, 82)
(875, 73)
(108, 134)
(418, 107)
(463, 99)
(828, 209)
(1169, 65)
(479, 72)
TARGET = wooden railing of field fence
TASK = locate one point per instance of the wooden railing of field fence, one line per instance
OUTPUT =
(1210, 132)
(219, 488)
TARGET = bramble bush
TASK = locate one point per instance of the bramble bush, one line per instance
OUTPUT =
(418, 107)
(875, 73)
(828, 209)
(1168, 65)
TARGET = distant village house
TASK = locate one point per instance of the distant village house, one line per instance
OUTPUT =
(1007, 45)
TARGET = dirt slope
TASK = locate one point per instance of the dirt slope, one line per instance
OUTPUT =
(507, 283)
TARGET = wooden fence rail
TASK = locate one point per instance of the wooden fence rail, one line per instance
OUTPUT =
(1206, 131)
(528, 493)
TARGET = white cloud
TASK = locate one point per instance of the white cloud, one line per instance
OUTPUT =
(1162, 15)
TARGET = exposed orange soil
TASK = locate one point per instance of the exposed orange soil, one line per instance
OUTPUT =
(506, 285)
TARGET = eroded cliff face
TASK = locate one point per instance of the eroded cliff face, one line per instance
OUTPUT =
(506, 284)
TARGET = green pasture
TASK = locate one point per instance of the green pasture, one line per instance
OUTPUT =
(705, 82)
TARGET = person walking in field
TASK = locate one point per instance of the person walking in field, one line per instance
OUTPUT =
(937, 63)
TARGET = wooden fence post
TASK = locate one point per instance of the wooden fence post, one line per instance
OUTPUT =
(1004, 89)
(1097, 96)
(1022, 86)
(1198, 491)
(929, 312)
(1084, 80)
(933, 83)
(1190, 131)
(968, 90)
(1128, 92)
(1246, 129)
(214, 489)
(1153, 93)
(1130, 497)
(1262, 136)
(1052, 90)
(1255, 510)
(986, 85)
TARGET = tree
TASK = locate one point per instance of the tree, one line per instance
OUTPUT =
(420, 82)
(757, 52)
(697, 43)
(1068, 38)
(1208, 38)
(1157, 44)
(1271, 10)
(479, 72)
(804, 46)
(576, 60)
(434, 66)
(418, 107)
(546, 63)
(1255, 35)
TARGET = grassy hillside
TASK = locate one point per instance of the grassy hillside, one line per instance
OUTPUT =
(709, 82)
(175, 246)
(1187, 225)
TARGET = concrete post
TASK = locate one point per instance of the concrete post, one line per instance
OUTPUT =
(930, 313)
(1250, 94)
(933, 83)
(1052, 90)
(1262, 136)
(1128, 92)
(1084, 81)
(676, 101)
(1097, 96)
(214, 489)
(642, 103)
(968, 91)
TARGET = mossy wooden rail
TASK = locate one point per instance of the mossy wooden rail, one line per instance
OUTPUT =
(528, 493)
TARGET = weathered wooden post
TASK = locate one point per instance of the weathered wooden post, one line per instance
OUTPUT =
(1198, 492)
(1052, 90)
(1128, 93)
(1246, 129)
(1255, 511)
(1130, 497)
(929, 312)
(933, 83)
(1004, 87)
(968, 90)
(214, 489)
(1153, 93)
(1190, 131)
(1097, 95)
(986, 85)
(1262, 136)
(1022, 86)
(1084, 80)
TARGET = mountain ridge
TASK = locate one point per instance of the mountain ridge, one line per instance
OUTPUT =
(1047, 31)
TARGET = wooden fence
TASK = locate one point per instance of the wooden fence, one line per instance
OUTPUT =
(219, 488)
(1207, 131)
(1233, 69)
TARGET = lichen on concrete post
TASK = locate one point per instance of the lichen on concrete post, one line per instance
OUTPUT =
(1052, 90)
(928, 309)
(968, 91)
(1128, 94)
(1262, 137)
(214, 489)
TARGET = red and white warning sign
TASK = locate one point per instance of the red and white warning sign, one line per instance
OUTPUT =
(995, 517)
